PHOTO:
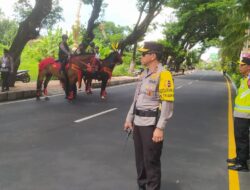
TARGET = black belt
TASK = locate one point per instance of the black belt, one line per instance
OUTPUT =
(148, 113)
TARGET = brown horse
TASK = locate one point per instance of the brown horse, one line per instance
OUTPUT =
(103, 73)
(49, 67)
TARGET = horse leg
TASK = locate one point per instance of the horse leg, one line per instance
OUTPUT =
(103, 88)
(45, 85)
(88, 82)
(39, 86)
(66, 87)
(71, 86)
(74, 91)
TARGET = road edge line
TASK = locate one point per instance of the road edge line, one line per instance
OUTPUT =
(232, 175)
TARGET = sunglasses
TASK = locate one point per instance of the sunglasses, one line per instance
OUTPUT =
(145, 53)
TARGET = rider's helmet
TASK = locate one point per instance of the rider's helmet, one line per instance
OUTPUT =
(65, 36)
(92, 44)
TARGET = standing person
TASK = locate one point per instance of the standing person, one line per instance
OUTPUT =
(64, 53)
(7, 66)
(97, 52)
(242, 119)
(91, 48)
(151, 109)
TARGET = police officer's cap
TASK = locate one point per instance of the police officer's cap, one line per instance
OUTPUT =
(245, 60)
(151, 47)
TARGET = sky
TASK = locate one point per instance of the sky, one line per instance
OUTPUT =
(118, 11)
(121, 12)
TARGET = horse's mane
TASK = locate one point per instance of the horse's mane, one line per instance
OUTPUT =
(109, 56)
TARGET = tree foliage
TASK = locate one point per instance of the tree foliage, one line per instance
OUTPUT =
(8, 30)
(235, 32)
(23, 9)
(198, 23)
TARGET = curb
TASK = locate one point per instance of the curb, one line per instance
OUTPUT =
(25, 94)
(29, 93)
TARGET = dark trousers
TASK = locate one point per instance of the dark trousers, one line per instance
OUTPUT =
(241, 131)
(147, 154)
(5, 80)
(63, 62)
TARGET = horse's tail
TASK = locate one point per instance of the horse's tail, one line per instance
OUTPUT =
(41, 73)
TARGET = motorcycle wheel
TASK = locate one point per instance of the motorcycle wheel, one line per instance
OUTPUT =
(26, 78)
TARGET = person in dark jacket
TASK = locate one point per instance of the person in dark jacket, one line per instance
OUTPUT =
(64, 52)
(6, 69)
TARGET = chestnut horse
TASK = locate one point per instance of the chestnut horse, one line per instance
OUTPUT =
(103, 73)
(49, 67)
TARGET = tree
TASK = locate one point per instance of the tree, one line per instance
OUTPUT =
(8, 30)
(29, 29)
(149, 7)
(88, 36)
(198, 23)
(234, 33)
(23, 9)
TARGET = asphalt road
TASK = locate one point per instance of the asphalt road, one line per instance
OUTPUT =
(57, 145)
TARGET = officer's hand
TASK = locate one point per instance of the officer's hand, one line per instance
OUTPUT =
(158, 135)
(128, 126)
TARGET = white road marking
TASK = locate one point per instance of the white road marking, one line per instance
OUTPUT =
(190, 83)
(179, 87)
(95, 115)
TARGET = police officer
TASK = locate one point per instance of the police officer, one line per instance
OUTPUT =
(242, 119)
(148, 115)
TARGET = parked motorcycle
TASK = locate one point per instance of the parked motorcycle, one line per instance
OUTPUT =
(23, 75)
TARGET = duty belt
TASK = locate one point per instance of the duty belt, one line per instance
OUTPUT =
(148, 113)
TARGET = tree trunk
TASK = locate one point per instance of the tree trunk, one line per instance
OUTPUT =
(154, 8)
(28, 29)
(89, 35)
(132, 63)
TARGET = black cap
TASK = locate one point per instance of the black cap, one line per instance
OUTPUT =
(151, 47)
(245, 60)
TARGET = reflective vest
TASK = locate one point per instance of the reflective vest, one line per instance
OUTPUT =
(242, 100)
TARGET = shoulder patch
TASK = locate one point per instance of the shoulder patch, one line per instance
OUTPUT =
(166, 86)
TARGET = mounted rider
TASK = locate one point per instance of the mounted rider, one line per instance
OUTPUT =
(94, 65)
(64, 52)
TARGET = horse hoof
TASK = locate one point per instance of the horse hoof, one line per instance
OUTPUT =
(89, 92)
(38, 99)
(103, 97)
(46, 98)
(70, 101)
